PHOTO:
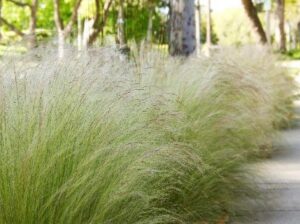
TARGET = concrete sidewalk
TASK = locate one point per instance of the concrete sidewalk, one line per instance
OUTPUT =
(280, 184)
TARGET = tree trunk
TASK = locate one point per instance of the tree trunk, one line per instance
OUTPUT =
(252, 14)
(182, 27)
(64, 31)
(30, 37)
(198, 27)
(32, 42)
(288, 38)
(150, 24)
(208, 28)
(121, 36)
(0, 17)
(87, 31)
(280, 12)
(268, 26)
(99, 23)
(121, 39)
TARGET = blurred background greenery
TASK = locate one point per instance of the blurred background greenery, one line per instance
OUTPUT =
(28, 23)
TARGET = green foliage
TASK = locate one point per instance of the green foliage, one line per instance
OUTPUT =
(136, 17)
(100, 140)
(214, 37)
(45, 15)
(16, 15)
(292, 55)
(137, 22)
(19, 16)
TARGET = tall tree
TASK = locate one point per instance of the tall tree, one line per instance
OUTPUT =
(198, 27)
(267, 8)
(268, 25)
(182, 27)
(99, 21)
(121, 35)
(62, 30)
(281, 18)
(0, 19)
(151, 5)
(121, 38)
(208, 27)
(150, 22)
(32, 26)
(252, 14)
(31, 36)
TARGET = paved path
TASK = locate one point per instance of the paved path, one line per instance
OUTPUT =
(280, 183)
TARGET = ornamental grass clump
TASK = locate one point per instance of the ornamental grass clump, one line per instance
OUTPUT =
(95, 139)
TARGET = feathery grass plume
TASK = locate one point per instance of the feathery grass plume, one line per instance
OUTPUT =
(93, 139)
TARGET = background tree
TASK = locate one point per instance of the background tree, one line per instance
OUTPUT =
(267, 8)
(33, 6)
(64, 31)
(101, 17)
(121, 38)
(143, 18)
(0, 19)
(151, 6)
(100, 20)
(252, 14)
(182, 27)
(15, 25)
(281, 18)
(198, 26)
(208, 27)
(33, 21)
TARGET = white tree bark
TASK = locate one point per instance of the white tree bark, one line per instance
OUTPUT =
(64, 31)
(121, 39)
(198, 27)
(87, 32)
(208, 28)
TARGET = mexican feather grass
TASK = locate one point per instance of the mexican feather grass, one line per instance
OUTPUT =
(94, 139)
